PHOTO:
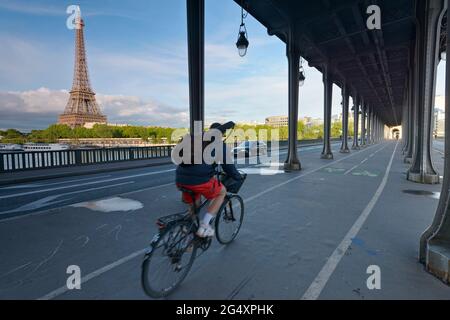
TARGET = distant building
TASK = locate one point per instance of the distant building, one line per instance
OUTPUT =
(249, 123)
(277, 121)
(439, 123)
(310, 121)
(110, 142)
(90, 125)
(350, 116)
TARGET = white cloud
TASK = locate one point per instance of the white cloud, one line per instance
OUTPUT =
(33, 9)
(36, 109)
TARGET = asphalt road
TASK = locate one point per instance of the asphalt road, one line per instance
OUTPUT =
(438, 145)
(309, 234)
(32, 197)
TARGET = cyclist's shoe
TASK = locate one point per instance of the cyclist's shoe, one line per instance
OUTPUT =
(205, 231)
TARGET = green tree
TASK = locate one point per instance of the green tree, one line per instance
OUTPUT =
(336, 129)
(102, 131)
(13, 134)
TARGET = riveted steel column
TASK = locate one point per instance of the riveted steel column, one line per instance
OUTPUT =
(293, 55)
(435, 241)
(414, 94)
(374, 126)
(429, 16)
(356, 103)
(345, 102)
(369, 125)
(377, 129)
(328, 96)
(196, 61)
(405, 120)
(404, 125)
(363, 124)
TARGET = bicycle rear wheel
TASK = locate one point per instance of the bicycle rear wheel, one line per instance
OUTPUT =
(229, 219)
(169, 261)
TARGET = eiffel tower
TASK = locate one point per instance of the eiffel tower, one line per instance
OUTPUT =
(82, 106)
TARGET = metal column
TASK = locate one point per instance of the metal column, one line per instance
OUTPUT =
(356, 103)
(293, 55)
(429, 14)
(196, 58)
(435, 241)
(345, 102)
(369, 125)
(363, 124)
(327, 101)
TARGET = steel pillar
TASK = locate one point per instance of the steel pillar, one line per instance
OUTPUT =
(435, 241)
(196, 61)
(363, 124)
(413, 93)
(327, 101)
(293, 55)
(429, 16)
(345, 102)
(369, 125)
(356, 103)
(377, 129)
(405, 136)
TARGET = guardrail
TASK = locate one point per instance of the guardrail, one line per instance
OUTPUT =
(32, 160)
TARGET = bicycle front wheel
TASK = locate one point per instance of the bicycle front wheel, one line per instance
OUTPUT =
(229, 219)
(169, 261)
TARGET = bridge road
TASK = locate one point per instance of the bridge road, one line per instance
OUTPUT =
(293, 224)
(25, 198)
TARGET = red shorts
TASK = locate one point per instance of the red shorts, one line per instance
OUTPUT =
(209, 190)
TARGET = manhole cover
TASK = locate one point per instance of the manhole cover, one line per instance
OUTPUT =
(426, 193)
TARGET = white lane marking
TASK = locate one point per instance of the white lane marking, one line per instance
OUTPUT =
(39, 185)
(49, 201)
(325, 273)
(81, 191)
(356, 166)
(121, 261)
(301, 176)
(351, 169)
(84, 184)
(439, 151)
(94, 274)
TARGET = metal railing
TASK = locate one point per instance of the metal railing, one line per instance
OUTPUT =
(32, 160)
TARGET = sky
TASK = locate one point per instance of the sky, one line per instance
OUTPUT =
(137, 59)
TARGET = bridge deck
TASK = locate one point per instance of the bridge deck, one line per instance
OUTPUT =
(294, 222)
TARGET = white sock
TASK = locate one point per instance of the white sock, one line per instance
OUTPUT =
(207, 218)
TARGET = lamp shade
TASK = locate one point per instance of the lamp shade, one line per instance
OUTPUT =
(242, 44)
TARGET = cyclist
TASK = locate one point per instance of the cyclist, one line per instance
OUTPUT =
(201, 179)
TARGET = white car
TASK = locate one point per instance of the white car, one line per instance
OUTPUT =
(250, 149)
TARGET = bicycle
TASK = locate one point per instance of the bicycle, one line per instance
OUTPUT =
(174, 247)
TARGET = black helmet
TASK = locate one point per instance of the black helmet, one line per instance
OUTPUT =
(222, 127)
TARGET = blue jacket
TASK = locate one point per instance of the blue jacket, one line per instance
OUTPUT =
(194, 174)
